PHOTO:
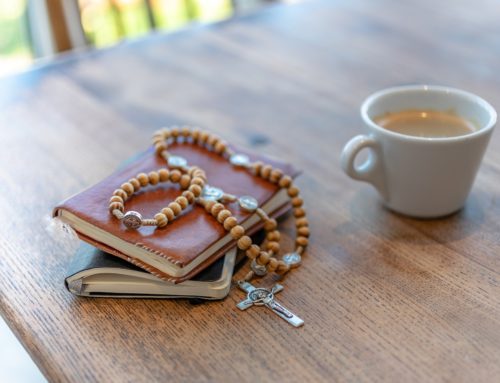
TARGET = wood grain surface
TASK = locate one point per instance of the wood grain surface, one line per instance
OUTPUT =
(384, 297)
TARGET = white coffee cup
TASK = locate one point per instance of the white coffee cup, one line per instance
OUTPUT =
(418, 176)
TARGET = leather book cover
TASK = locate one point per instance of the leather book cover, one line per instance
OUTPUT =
(190, 234)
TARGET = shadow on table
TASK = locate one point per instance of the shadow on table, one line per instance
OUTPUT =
(368, 213)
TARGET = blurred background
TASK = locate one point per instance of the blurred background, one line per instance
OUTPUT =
(31, 29)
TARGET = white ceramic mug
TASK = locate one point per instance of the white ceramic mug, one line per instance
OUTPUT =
(417, 176)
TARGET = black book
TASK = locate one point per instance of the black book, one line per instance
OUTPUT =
(94, 273)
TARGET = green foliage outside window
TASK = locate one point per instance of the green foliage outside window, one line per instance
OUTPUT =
(105, 22)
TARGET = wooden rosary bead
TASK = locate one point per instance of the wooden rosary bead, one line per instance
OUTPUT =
(116, 206)
(216, 209)
(175, 175)
(302, 222)
(128, 188)
(176, 208)
(282, 268)
(198, 181)
(182, 201)
(143, 179)
(212, 141)
(263, 258)
(116, 198)
(273, 246)
(272, 265)
(253, 251)
(161, 220)
(276, 175)
(256, 166)
(229, 223)
(285, 181)
(293, 191)
(273, 235)
(160, 147)
(121, 193)
(303, 231)
(220, 147)
(270, 224)
(302, 241)
(158, 137)
(163, 132)
(203, 137)
(174, 132)
(223, 215)
(195, 134)
(237, 232)
(298, 212)
(244, 242)
(169, 213)
(199, 140)
(184, 181)
(196, 171)
(164, 175)
(154, 178)
(208, 206)
(201, 176)
(265, 171)
(189, 195)
(185, 131)
(196, 190)
(135, 183)
(297, 202)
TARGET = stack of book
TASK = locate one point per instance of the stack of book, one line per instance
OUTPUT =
(191, 257)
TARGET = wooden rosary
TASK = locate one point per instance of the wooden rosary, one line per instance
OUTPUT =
(263, 260)
(193, 182)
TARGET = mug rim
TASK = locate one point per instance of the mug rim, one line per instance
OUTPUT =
(429, 88)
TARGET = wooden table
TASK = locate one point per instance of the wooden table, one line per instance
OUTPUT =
(385, 298)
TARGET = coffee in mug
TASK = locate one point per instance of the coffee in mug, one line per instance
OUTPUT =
(426, 123)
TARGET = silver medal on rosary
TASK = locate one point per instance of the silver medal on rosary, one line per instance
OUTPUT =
(212, 193)
(248, 203)
(240, 160)
(292, 259)
(177, 162)
(259, 270)
(132, 219)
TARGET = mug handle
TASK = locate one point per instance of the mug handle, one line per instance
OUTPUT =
(372, 170)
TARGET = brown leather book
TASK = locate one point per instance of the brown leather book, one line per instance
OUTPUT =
(195, 239)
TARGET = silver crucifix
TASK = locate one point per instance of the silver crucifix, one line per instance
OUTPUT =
(263, 297)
